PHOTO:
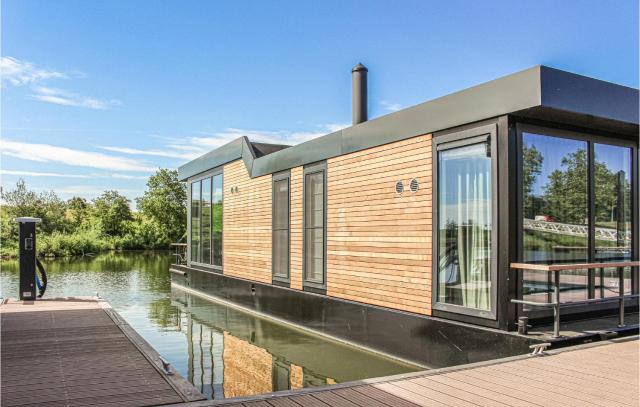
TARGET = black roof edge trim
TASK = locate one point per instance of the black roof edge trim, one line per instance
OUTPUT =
(539, 88)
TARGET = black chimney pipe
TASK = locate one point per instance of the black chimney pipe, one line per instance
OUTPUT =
(359, 91)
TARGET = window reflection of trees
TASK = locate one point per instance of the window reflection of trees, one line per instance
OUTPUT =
(555, 205)
(564, 201)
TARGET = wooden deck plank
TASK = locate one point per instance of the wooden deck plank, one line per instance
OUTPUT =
(359, 398)
(476, 388)
(401, 392)
(572, 371)
(384, 397)
(547, 378)
(547, 397)
(458, 393)
(544, 387)
(259, 403)
(440, 398)
(333, 399)
(282, 402)
(78, 353)
(309, 401)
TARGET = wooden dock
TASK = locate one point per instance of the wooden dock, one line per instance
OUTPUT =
(79, 352)
(599, 374)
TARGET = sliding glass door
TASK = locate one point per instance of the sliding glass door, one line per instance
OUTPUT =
(576, 193)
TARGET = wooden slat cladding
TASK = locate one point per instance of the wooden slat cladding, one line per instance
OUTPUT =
(295, 188)
(378, 242)
(247, 224)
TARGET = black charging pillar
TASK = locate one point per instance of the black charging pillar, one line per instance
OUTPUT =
(27, 257)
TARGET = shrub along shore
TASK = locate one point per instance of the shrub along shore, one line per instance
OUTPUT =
(78, 227)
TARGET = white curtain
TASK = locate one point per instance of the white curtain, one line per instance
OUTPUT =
(465, 208)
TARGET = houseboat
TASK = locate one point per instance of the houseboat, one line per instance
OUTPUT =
(435, 229)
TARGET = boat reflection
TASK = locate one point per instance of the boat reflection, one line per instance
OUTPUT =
(233, 354)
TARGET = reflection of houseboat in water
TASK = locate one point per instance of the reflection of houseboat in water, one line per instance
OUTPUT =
(233, 354)
(347, 234)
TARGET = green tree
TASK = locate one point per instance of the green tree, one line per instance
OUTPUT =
(531, 167)
(78, 212)
(113, 212)
(20, 202)
(165, 203)
(609, 187)
(566, 191)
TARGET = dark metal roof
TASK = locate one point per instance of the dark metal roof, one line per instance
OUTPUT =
(539, 92)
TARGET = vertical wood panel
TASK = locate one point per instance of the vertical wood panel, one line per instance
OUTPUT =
(296, 228)
(247, 224)
(379, 242)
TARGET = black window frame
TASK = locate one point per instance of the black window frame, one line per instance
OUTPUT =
(306, 284)
(457, 139)
(279, 177)
(200, 177)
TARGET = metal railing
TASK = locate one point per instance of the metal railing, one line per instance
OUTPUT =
(556, 304)
(567, 229)
(180, 253)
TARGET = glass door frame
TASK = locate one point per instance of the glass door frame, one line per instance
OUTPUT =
(591, 139)
(483, 133)
(218, 171)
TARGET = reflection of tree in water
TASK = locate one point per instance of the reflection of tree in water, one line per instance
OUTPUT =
(164, 314)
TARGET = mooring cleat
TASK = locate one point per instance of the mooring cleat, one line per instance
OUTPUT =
(166, 366)
(539, 348)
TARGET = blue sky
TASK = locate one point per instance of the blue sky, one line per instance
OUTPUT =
(96, 95)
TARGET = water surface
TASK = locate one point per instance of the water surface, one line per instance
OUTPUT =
(222, 351)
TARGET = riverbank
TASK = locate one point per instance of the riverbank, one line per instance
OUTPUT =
(80, 244)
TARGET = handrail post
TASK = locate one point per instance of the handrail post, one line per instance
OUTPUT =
(556, 306)
(621, 293)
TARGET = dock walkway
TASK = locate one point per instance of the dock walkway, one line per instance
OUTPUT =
(79, 352)
(600, 374)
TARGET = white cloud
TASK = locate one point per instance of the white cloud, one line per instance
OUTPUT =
(202, 144)
(156, 153)
(125, 176)
(68, 156)
(188, 148)
(43, 174)
(17, 72)
(66, 175)
(390, 106)
(88, 192)
(64, 98)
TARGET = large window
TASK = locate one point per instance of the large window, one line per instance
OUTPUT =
(280, 224)
(612, 172)
(206, 221)
(195, 221)
(555, 199)
(314, 226)
(576, 208)
(465, 225)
